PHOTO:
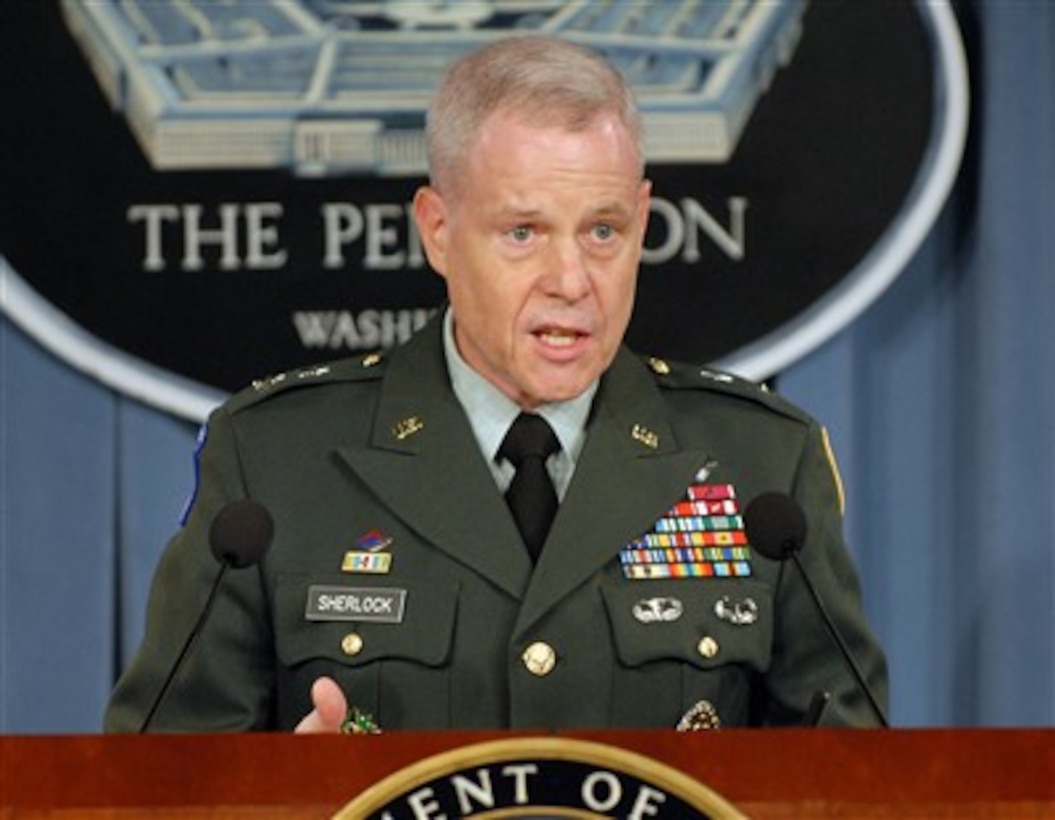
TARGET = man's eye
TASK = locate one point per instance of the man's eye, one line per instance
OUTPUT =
(603, 231)
(521, 233)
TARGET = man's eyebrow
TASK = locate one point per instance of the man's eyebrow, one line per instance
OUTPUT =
(529, 212)
(612, 209)
(520, 212)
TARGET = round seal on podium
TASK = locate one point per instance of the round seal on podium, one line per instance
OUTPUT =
(538, 777)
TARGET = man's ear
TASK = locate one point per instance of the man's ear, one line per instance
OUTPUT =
(430, 214)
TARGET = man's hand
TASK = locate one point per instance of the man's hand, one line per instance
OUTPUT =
(331, 707)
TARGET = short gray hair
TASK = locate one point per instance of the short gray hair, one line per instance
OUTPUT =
(545, 80)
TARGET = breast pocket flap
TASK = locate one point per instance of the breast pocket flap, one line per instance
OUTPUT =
(365, 620)
(706, 622)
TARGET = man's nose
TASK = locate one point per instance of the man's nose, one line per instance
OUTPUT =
(567, 271)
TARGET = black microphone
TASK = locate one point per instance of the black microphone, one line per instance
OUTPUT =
(238, 537)
(776, 528)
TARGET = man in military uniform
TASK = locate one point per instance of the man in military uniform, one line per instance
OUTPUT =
(402, 590)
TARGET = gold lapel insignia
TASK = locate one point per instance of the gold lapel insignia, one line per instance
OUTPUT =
(408, 427)
(645, 436)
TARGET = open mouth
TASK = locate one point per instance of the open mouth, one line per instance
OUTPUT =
(558, 337)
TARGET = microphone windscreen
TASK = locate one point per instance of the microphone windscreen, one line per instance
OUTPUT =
(775, 525)
(241, 533)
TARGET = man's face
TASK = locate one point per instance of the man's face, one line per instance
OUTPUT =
(539, 242)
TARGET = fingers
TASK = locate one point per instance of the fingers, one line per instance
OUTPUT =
(330, 708)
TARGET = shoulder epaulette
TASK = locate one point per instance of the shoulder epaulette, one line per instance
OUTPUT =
(367, 367)
(681, 376)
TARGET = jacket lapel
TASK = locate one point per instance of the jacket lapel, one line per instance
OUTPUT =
(631, 471)
(424, 463)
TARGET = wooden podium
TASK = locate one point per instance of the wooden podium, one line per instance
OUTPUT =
(762, 773)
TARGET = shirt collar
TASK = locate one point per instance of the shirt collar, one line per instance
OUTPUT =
(491, 412)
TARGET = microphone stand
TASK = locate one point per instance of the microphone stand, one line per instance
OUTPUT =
(838, 638)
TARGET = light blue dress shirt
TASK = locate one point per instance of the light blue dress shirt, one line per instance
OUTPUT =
(491, 412)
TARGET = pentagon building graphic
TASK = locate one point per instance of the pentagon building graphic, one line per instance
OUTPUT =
(324, 87)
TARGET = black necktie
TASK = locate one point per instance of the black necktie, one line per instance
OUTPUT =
(531, 497)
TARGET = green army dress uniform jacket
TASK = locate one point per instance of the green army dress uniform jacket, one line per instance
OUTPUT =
(462, 631)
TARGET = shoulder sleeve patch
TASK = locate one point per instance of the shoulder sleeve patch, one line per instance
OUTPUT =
(364, 368)
(203, 435)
